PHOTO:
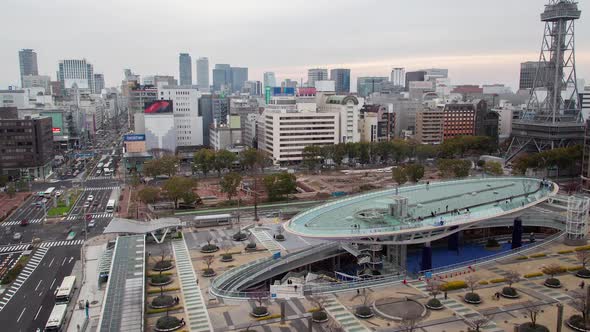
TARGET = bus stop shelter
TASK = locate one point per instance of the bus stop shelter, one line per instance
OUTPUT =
(131, 226)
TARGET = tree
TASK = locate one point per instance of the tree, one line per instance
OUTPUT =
(584, 257)
(478, 322)
(472, 282)
(169, 165)
(279, 185)
(415, 172)
(224, 160)
(532, 312)
(177, 188)
(581, 302)
(454, 167)
(399, 175)
(229, 184)
(364, 150)
(338, 153)
(252, 158)
(149, 195)
(208, 260)
(434, 287)
(259, 297)
(352, 151)
(11, 190)
(311, 155)
(425, 151)
(203, 160)
(552, 269)
(134, 181)
(3, 180)
(410, 324)
(152, 168)
(493, 168)
(512, 277)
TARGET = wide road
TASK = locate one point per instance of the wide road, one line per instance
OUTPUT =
(31, 305)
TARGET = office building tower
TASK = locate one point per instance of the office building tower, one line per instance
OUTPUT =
(76, 74)
(429, 126)
(398, 77)
(203, 73)
(270, 79)
(213, 108)
(98, 83)
(289, 83)
(341, 77)
(414, 76)
(367, 85)
(37, 81)
(185, 69)
(188, 120)
(27, 59)
(239, 75)
(254, 88)
(222, 76)
(316, 74)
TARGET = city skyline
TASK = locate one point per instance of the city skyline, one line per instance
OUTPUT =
(485, 54)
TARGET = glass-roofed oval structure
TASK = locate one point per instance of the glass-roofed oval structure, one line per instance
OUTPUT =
(422, 212)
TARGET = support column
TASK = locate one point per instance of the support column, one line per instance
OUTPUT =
(426, 257)
(403, 256)
(453, 241)
(517, 233)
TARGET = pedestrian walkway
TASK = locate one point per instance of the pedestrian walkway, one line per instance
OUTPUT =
(194, 305)
(457, 307)
(101, 188)
(266, 240)
(17, 222)
(94, 215)
(23, 276)
(99, 178)
(14, 248)
(61, 243)
(552, 293)
(343, 316)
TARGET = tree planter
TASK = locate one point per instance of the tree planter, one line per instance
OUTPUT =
(251, 247)
(260, 312)
(527, 327)
(364, 312)
(169, 323)
(576, 323)
(583, 273)
(160, 280)
(209, 248)
(552, 283)
(280, 237)
(227, 258)
(434, 304)
(209, 273)
(509, 293)
(240, 237)
(493, 244)
(319, 317)
(162, 301)
(163, 266)
(472, 298)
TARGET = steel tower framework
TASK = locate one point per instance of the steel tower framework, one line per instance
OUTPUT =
(553, 116)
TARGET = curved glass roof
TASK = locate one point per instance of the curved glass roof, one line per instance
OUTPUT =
(428, 206)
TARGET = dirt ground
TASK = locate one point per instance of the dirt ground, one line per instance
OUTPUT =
(7, 204)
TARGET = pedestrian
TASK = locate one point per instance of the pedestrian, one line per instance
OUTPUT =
(358, 292)
(446, 295)
(582, 284)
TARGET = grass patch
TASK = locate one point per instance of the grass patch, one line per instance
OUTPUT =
(62, 208)
(542, 254)
(170, 289)
(497, 280)
(533, 275)
(269, 317)
(563, 252)
(157, 311)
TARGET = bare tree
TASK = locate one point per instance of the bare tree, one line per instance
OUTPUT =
(584, 257)
(532, 312)
(318, 301)
(366, 297)
(552, 269)
(209, 238)
(581, 302)
(410, 324)
(259, 297)
(334, 326)
(512, 277)
(434, 287)
(472, 282)
(208, 260)
(478, 322)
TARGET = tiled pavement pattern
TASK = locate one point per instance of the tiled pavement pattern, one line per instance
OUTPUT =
(266, 240)
(457, 307)
(343, 316)
(553, 293)
(23, 276)
(194, 305)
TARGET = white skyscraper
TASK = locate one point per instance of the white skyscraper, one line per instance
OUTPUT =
(188, 123)
(76, 72)
(270, 79)
(203, 73)
(316, 74)
(398, 77)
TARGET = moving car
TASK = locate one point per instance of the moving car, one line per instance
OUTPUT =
(24, 222)
(92, 223)
(17, 236)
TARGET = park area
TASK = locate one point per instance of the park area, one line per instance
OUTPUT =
(64, 204)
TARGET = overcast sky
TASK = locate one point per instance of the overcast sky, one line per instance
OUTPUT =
(479, 41)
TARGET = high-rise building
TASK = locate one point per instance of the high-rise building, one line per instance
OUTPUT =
(398, 77)
(348, 107)
(270, 79)
(585, 102)
(459, 120)
(528, 73)
(342, 78)
(222, 75)
(239, 75)
(188, 120)
(414, 76)
(254, 88)
(429, 126)
(213, 108)
(316, 74)
(203, 73)
(185, 69)
(37, 81)
(98, 83)
(367, 85)
(27, 59)
(76, 73)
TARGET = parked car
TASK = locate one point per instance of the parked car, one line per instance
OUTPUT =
(92, 223)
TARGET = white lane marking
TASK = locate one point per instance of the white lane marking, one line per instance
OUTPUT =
(50, 287)
(51, 261)
(71, 259)
(62, 263)
(38, 311)
(38, 285)
(21, 314)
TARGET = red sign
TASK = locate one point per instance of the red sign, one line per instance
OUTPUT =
(56, 130)
(88, 217)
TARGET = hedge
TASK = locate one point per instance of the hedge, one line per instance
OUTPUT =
(498, 280)
(582, 248)
(538, 255)
(575, 268)
(483, 282)
(534, 274)
(561, 252)
(157, 311)
(520, 258)
(269, 317)
(453, 285)
(171, 289)
(163, 273)
(562, 269)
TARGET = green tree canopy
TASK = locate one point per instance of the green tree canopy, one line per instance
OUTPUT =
(177, 187)
(415, 172)
(279, 185)
(399, 175)
(454, 167)
(493, 168)
(11, 190)
(229, 184)
(203, 160)
(252, 158)
(224, 160)
(311, 156)
(149, 195)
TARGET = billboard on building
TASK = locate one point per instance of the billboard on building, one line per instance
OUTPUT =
(134, 138)
(421, 85)
(280, 91)
(158, 107)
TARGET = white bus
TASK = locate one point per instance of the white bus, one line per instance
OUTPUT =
(49, 192)
(56, 319)
(99, 166)
(65, 290)
(112, 203)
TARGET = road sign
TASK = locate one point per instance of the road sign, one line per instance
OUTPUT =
(88, 217)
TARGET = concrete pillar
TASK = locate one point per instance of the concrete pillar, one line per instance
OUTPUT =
(403, 256)
(517, 230)
(426, 257)
(309, 324)
(559, 317)
(283, 312)
(453, 241)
